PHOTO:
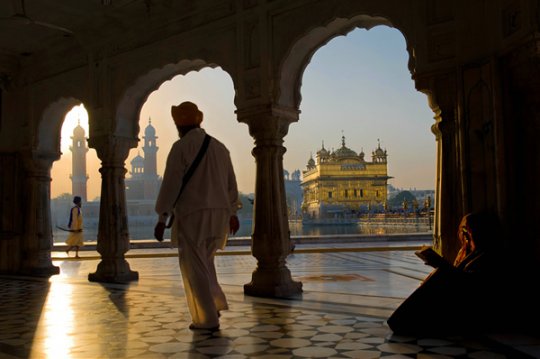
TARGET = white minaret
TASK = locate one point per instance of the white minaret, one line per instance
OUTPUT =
(150, 149)
(79, 177)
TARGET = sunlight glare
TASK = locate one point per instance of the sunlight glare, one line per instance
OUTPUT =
(57, 323)
(77, 113)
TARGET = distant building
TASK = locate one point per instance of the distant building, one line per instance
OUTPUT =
(294, 193)
(142, 186)
(341, 183)
(144, 182)
(421, 196)
(79, 177)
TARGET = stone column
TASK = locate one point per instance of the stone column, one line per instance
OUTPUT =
(271, 236)
(520, 74)
(113, 236)
(37, 240)
(441, 91)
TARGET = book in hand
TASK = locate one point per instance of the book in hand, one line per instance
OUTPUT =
(430, 257)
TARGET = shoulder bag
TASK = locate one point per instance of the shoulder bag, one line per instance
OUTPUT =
(190, 172)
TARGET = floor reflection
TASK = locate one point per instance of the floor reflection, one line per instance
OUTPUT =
(57, 334)
(70, 268)
(69, 317)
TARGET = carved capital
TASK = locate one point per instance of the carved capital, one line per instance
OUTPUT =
(440, 89)
(112, 150)
(39, 163)
(268, 151)
(268, 125)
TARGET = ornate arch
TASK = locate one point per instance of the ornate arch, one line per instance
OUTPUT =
(299, 56)
(50, 125)
(127, 113)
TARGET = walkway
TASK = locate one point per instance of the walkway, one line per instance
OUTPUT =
(348, 294)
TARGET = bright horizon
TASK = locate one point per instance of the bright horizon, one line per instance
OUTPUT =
(353, 84)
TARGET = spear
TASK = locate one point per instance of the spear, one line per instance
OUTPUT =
(69, 230)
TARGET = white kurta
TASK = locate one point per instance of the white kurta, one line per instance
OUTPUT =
(201, 219)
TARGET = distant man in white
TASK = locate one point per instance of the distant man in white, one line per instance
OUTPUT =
(204, 214)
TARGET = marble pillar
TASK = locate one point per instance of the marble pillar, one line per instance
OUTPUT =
(113, 236)
(441, 91)
(37, 239)
(521, 108)
(271, 236)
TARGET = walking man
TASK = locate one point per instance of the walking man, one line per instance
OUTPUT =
(204, 213)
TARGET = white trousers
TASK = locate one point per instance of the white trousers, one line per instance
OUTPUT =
(199, 236)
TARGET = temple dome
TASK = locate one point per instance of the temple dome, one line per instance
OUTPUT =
(137, 160)
(323, 152)
(344, 151)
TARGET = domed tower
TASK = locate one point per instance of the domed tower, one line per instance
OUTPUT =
(310, 163)
(362, 155)
(322, 154)
(135, 183)
(78, 148)
(150, 149)
(137, 166)
(379, 155)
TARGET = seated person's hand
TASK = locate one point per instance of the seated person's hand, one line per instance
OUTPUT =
(159, 230)
(431, 258)
(234, 224)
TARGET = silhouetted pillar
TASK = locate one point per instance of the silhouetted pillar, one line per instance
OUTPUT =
(520, 73)
(441, 91)
(37, 240)
(113, 236)
(270, 238)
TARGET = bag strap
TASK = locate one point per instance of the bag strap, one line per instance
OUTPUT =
(191, 170)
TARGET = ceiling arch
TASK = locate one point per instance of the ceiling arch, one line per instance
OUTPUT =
(129, 107)
(50, 126)
(300, 53)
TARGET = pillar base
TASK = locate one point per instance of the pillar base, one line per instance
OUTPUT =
(113, 271)
(38, 264)
(40, 271)
(273, 284)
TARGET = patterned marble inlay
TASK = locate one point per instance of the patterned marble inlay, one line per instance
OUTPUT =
(69, 317)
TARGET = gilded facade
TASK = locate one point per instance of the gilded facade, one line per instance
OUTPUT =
(341, 183)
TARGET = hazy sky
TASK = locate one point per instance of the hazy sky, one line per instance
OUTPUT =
(358, 85)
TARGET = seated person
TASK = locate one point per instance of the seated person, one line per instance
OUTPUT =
(457, 297)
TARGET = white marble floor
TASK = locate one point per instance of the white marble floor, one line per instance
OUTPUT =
(347, 297)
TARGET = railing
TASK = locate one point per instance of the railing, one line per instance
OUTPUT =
(246, 241)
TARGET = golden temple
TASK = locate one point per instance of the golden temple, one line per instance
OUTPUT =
(341, 183)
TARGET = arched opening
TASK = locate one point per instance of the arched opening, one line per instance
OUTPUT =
(76, 173)
(367, 131)
(212, 89)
